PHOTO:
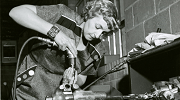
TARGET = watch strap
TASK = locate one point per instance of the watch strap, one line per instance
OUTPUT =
(53, 32)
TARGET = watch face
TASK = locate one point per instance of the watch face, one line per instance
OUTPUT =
(53, 32)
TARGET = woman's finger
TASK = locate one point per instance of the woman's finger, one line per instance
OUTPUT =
(72, 47)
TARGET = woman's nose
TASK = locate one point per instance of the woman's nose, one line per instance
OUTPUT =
(99, 33)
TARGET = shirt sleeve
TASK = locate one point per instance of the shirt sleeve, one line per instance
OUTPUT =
(52, 13)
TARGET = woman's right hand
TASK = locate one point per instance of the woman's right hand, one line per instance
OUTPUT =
(26, 15)
(64, 42)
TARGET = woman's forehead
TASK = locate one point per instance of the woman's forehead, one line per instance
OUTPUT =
(104, 24)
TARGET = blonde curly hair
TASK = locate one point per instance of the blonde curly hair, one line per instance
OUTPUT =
(105, 8)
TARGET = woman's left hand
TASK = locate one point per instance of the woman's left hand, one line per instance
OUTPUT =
(71, 75)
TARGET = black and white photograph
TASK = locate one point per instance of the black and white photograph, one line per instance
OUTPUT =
(90, 49)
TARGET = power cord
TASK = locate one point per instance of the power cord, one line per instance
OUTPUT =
(18, 61)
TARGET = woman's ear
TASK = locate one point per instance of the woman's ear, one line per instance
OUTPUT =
(118, 22)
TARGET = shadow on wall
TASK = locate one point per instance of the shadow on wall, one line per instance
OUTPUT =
(123, 85)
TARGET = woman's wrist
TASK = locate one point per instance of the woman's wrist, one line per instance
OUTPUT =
(54, 30)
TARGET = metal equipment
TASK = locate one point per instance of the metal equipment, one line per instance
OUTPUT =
(64, 91)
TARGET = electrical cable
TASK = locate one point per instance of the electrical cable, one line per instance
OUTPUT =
(17, 65)
(117, 67)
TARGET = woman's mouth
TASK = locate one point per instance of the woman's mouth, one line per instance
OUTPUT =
(90, 37)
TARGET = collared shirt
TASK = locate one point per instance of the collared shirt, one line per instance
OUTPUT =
(68, 21)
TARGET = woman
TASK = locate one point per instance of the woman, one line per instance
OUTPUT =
(68, 30)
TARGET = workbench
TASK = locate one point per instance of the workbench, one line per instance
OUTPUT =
(157, 64)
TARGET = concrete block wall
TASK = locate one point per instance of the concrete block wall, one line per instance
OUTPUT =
(141, 18)
(145, 16)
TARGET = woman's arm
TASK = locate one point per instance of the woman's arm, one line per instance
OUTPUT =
(26, 15)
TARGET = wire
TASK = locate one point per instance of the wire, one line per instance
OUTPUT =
(17, 65)
(117, 67)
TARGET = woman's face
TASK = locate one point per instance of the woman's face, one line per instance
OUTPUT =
(94, 27)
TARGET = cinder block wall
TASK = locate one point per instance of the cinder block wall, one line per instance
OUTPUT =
(145, 16)
(141, 18)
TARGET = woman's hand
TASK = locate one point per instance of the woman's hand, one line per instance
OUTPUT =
(64, 42)
(26, 15)
(71, 75)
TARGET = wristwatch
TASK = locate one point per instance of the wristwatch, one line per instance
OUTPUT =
(53, 32)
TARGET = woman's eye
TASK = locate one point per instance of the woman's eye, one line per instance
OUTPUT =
(98, 26)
